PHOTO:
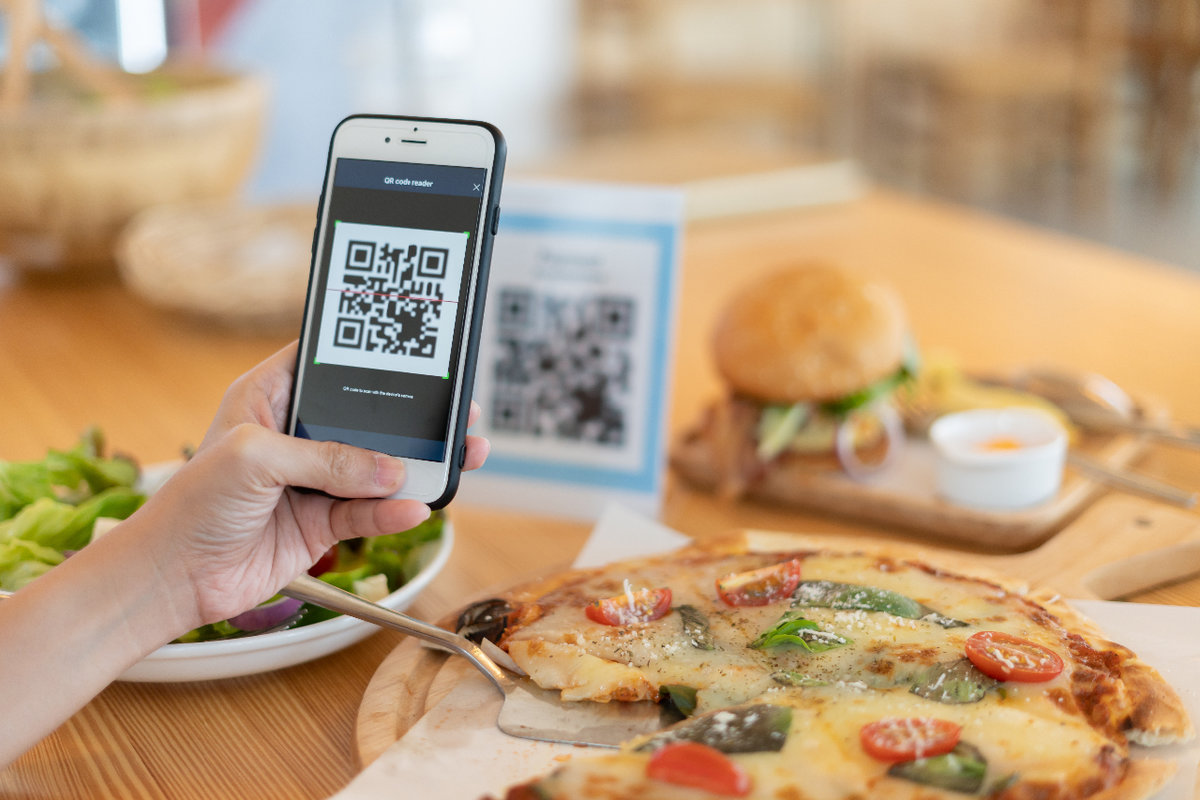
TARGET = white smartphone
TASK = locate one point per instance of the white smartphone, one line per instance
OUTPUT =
(400, 260)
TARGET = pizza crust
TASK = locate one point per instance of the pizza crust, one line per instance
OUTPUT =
(1144, 777)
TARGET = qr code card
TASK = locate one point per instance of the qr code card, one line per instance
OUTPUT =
(391, 299)
(574, 366)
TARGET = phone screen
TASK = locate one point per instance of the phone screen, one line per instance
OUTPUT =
(387, 313)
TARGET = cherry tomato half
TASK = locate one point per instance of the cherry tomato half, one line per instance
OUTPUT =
(326, 562)
(1010, 658)
(643, 605)
(760, 587)
(700, 767)
(906, 738)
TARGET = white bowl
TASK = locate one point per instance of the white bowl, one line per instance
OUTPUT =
(1002, 459)
(229, 658)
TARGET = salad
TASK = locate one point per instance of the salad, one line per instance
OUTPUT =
(53, 507)
(49, 508)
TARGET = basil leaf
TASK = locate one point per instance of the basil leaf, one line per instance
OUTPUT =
(793, 629)
(792, 678)
(695, 627)
(961, 770)
(757, 728)
(953, 682)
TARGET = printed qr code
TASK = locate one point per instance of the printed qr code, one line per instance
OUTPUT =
(563, 366)
(391, 298)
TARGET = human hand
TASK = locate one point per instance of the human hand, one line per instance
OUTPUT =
(261, 396)
(226, 532)
(240, 531)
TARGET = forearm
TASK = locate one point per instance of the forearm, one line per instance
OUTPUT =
(68, 634)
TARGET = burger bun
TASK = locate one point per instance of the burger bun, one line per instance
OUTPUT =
(810, 333)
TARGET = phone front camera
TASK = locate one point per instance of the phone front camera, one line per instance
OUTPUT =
(387, 139)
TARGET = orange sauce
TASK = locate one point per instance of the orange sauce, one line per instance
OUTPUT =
(1000, 443)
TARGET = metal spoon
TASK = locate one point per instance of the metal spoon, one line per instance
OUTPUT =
(1095, 402)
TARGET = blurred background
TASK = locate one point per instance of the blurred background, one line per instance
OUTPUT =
(1074, 115)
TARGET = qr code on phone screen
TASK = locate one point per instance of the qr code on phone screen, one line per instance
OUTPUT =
(563, 366)
(391, 298)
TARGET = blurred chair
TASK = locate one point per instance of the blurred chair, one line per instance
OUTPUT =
(1163, 42)
(704, 76)
(1000, 122)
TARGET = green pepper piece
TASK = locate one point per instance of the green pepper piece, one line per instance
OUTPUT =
(681, 698)
(793, 678)
(695, 627)
(953, 682)
(856, 597)
(961, 770)
(755, 728)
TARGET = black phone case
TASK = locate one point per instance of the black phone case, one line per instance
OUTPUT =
(472, 329)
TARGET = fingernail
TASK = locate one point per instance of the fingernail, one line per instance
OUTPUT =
(389, 472)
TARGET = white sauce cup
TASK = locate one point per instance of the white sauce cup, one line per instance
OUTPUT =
(1002, 459)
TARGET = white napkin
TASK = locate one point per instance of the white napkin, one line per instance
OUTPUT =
(455, 752)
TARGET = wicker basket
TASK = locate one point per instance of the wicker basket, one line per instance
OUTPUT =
(244, 267)
(73, 173)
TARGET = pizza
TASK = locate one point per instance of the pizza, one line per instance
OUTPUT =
(812, 673)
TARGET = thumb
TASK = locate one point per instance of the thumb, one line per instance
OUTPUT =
(331, 467)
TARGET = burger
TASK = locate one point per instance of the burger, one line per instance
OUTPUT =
(812, 356)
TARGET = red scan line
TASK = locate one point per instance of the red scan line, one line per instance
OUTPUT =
(390, 294)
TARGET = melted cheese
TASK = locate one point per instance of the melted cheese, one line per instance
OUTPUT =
(834, 692)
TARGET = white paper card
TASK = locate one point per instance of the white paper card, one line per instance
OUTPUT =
(575, 359)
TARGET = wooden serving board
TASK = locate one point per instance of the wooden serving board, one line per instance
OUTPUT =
(1118, 547)
(905, 494)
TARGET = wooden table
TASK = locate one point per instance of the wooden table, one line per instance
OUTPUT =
(995, 294)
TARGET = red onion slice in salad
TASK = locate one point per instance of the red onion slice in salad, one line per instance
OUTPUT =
(266, 615)
(893, 441)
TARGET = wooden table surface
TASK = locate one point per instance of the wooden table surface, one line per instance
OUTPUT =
(995, 294)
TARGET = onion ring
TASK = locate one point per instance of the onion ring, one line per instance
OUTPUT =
(893, 441)
(266, 615)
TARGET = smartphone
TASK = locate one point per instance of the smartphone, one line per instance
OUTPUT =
(391, 324)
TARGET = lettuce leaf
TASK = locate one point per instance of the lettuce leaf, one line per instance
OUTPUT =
(51, 506)
(68, 475)
(22, 561)
(64, 526)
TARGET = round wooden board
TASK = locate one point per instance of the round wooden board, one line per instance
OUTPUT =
(397, 696)
(1102, 555)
